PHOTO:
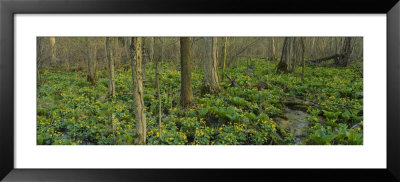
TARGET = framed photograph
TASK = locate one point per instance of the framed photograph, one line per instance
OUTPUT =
(134, 90)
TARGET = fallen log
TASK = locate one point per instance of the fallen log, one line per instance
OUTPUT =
(323, 59)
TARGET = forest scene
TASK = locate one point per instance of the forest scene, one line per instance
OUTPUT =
(199, 91)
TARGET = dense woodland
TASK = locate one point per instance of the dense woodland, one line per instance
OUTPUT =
(200, 90)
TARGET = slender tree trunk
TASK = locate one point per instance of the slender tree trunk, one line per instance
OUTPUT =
(211, 81)
(138, 104)
(157, 85)
(224, 65)
(302, 58)
(39, 58)
(313, 47)
(144, 58)
(53, 50)
(336, 45)
(294, 54)
(151, 49)
(186, 78)
(273, 49)
(110, 47)
(127, 43)
(91, 60)
(162, 51)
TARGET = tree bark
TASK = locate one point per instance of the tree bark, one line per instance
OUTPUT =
(110, 47)
(344, 58)
(224, 65)
(138, 104)
(284, 64)
(211, 81)
(144, 58)
(151, 49)
(91, 44)
(127, 42)
(186, 75)
(273, 49)
(292, 54)
(313, 47)
(53, 50)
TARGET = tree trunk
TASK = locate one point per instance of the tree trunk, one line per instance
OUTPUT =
(294, 57)
(273, 49)
(157, 87)
(186, 78)
(344, 58)
(292, 54)
(53, 50)
(224, 65)
(110, 47)
(91, 60)
(127, 43)
(211, 81)
(284, 64)
(151, 49)
(162, 51)
(302, 59)
(39, 58)
(144, 58)
(138, 104)
(313, 47)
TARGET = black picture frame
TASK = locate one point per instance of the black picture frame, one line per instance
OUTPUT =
(9, 8)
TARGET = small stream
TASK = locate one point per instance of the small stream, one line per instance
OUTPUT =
(294, 118)
(294, 121)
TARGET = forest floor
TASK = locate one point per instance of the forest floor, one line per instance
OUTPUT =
(261, 108)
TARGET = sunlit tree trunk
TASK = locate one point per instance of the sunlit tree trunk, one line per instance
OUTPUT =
(186, 78)
(273, 49)
(91, 44)
(224, 65)
(138, 104)
(110, 47)
(53, 50)
(211, 81)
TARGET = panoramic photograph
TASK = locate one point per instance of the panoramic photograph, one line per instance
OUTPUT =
(199, 91)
